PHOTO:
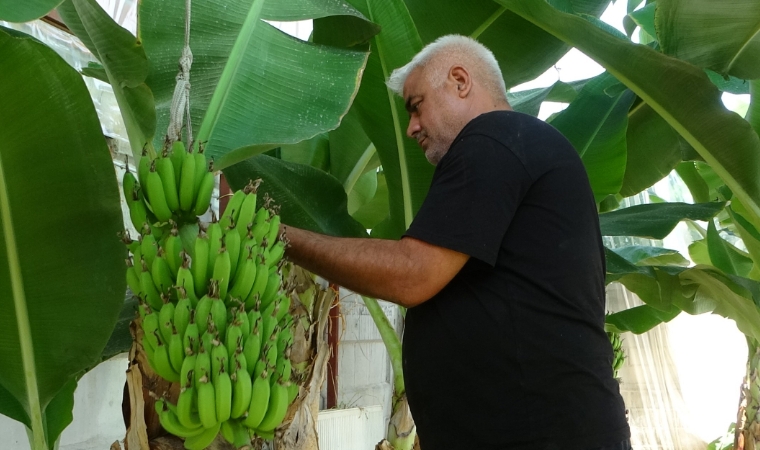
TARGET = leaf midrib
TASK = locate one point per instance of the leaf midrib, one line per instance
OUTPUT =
(743, 47)
(22, 317)
(401, 147)
(223, 87)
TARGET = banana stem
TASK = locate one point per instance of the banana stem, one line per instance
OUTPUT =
(37, 438)
(392, 345)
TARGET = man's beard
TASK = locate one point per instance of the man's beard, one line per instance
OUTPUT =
(439, 144)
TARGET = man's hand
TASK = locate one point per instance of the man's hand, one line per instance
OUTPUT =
(407, 272)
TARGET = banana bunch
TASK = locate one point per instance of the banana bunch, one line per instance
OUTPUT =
(214, 315)
(233, 365)
(176, 185)
(619, 354)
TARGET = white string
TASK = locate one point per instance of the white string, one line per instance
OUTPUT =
(181, 98)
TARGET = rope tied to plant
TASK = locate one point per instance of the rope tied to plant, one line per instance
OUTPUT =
(181, 99)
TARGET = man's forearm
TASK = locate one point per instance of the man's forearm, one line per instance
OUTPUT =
(378, 268)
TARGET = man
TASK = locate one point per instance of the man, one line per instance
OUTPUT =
(502, 271)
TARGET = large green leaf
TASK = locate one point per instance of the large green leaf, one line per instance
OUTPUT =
(523, 50)
(251, 83)
(124, 62)
(725, 256)
(27, 10)
(654, 149)
(700, 191)
(596, 123)
(382, 114)
(646, 255)
(654, 221)
(351, 152)
(376, 210)
(723, 36)
(62, 271)
(529, 101)
(679, 92)
(310, 198)
(641, 319)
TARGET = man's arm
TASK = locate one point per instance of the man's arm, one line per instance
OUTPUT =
(407, 272)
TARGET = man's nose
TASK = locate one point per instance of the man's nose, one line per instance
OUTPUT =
(414, 127)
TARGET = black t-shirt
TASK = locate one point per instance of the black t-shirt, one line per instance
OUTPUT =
(512, 353)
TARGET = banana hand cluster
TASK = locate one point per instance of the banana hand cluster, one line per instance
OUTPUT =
(176, 185)
(215, 318)
(619, 354)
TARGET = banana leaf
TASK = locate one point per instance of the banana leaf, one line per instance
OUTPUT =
(679, 92)
(124, 62)
(595, 123)
(654, 221)
(62, 271)
(28, 10)
(382, 114)
(253, 86)
(722, 36)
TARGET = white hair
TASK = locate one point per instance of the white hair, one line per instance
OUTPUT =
(446, 51)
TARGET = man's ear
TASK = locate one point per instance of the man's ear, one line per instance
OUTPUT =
(461, 79)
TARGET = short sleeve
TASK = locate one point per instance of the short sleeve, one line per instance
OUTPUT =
(476, 189)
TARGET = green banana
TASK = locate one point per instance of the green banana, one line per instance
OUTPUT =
(206, 189)
(219, 359)
(274, 254)
(133, 279)
(176, 352)
(128, 184)
(292, 392)
(143, 167)
(163, 366)
(148, 249)
(187, 182)
(206, 402)
(278, 407)
(186, 373)
(242, 317)
(150, 327)
(185, 279)
(284, 306)
(171, 423)
(191, 338)
(260, 284)
(232, 242)
(182, 314)
(202, 367)
(214, 233)
(156, 195)
(241, 393)
(222, 270)
(238, 360)
(232, 210)
(252, 350)
(165, 171)
(233, 338)
(187, 417)
(271, 290)
(202, 311)
(284, 340)
(200, 171)
(219, 316)
(247, 210)
(244, 278)
(260, 225)
(165, 321)
(177, 157)
(228, 433)
(138, 212)
(204, 439)
(199, 267)
(161, 273)
(259, 401)
(172, 249)
(223, 395)
(274, 230)
(152, 296)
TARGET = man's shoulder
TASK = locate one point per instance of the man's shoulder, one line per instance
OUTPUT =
(498, 123)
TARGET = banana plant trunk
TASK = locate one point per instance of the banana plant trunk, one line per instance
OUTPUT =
(748, 420)
(402, 433)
